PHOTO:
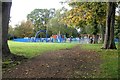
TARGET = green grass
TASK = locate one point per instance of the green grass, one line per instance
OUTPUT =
(109, 65)
(30, 50)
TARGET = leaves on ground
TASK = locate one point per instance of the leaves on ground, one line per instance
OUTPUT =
(72, 63)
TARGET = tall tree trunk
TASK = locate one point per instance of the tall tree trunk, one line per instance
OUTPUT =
(95, 31)
(108, 21)
(102, 33)
(5, 21)
(112, 43)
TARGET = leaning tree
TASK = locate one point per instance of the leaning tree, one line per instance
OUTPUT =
(6, 6)
(6, 54)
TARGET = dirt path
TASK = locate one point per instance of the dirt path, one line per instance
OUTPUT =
(67, 63)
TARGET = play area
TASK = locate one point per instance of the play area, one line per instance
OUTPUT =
(57, 39)
(54, 38)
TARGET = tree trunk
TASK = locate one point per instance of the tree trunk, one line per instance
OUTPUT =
(5, 21)
(95, 31)
(108, 21)
(112, 43)
(102, 33)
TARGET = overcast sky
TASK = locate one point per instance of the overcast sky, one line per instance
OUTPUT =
(20, 8)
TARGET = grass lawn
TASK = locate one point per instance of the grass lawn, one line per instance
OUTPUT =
(30, 50)
(109, 66)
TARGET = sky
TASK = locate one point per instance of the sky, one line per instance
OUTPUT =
(20, 8)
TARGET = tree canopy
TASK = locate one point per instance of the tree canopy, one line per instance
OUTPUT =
(40, 17)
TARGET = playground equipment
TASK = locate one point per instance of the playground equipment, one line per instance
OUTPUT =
(38, 32)
(58, 38)
(54, 38)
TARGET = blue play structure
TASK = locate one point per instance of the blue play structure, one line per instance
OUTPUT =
(59, 38)
(36, 39)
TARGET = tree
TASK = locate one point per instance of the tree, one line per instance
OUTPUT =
(25, 29)
(110, 21)
(112, 42)
(10, 32)
(40, 18)
(85, 8)
(6, 54)
(87, 14)
(54, 25)
(117, 27)
(57, 27)
(6, 6)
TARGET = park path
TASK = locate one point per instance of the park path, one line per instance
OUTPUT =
(66, 63)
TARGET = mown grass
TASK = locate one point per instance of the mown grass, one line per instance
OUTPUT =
(109, 65)
(30, 50)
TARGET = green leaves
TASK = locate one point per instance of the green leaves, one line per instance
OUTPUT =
(25, 29)
(86, 14)
(40, 17)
